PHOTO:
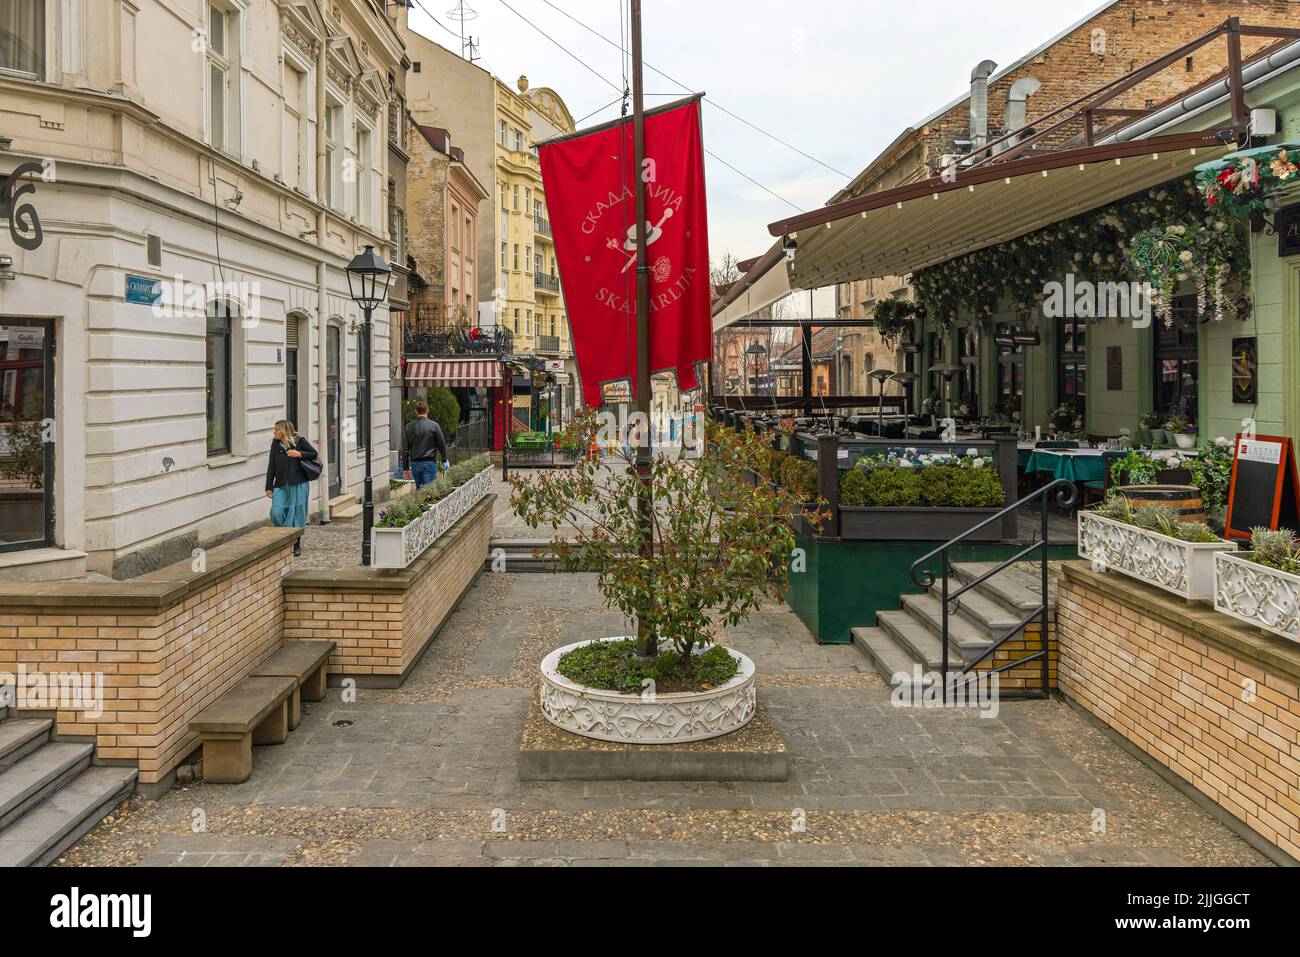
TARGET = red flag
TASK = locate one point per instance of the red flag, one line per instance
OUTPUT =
(589, 181)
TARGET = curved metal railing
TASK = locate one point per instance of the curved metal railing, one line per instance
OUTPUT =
(1066, 494)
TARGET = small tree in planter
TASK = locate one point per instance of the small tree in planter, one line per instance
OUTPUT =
(717, 545)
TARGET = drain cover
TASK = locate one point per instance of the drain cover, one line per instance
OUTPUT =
(343, 723)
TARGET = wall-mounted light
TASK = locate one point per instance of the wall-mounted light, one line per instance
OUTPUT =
(5, 143)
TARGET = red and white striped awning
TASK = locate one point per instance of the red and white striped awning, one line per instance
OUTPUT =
(454, 372)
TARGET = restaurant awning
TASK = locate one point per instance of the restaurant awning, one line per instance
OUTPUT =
(898, 231)
(454, 373)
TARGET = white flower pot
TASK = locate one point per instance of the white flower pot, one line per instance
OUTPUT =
(646, 718)
(1257, 594)
(398, 547)
(1184, 568)
(1184, 441)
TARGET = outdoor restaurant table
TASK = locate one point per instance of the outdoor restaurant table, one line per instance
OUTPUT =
(1077, 465)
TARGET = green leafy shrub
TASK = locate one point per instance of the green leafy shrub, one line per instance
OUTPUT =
(1275, 549)
(614, 666)
(799, 477)
(935, 486)
(405, 510)
(1155, 518)
(443, 409)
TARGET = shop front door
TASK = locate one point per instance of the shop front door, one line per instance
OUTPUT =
(26, 433)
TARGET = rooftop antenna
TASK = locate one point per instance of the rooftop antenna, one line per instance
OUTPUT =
(462, 13)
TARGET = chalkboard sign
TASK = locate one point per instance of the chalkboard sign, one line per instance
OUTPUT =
(1265, 490)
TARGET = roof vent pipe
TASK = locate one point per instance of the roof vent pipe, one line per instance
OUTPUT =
(1018, 109)
(979, 102)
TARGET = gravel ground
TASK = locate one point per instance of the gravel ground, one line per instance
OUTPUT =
(427, 774)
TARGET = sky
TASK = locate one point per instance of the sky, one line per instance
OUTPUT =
(839, 79)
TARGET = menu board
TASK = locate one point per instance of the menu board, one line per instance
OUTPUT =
(1265, 490)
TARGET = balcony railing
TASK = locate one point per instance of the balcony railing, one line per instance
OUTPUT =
(542, 225)
(548, 343)
(545, 283)
(447, 337)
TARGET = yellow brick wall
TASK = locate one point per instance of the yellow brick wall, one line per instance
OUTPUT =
(160, 667)
(1190, 704)
(381, 631)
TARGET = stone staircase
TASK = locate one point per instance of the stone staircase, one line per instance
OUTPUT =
(911, 637)
(344, 508)
(50, 793)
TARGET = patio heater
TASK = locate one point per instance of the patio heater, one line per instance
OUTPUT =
(947, 370)
(905, 378)
(881, 376)
(368, 278)
(756, 350)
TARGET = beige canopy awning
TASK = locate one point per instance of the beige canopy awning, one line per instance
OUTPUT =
(896, 232)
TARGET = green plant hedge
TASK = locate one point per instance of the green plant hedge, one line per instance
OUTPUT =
(403, 511)
(938, 486)
(443, 409)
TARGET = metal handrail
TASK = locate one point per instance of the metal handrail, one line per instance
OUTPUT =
(924, 577)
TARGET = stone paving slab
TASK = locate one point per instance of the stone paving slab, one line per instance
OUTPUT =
(427, 774)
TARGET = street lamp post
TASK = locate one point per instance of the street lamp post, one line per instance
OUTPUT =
(368, 279)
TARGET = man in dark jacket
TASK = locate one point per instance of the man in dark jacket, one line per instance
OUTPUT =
(425, 447)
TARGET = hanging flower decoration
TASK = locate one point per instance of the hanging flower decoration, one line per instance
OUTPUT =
(1239, 187)
(1097, 246)
(893, 320)
(1200, 253)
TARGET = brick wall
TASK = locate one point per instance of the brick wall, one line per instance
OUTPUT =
(382, 620)
(1215, 702)
(167, 644)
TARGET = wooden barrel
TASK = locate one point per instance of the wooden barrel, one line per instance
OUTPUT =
(1185, 500)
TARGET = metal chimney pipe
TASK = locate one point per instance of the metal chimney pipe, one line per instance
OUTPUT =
(1018, 108)
(979, 103)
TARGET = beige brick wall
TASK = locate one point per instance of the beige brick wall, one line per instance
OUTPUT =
(381, 621)
(163, 664)
(1222, 716)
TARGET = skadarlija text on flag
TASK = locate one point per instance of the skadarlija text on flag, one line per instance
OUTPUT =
(589, 182)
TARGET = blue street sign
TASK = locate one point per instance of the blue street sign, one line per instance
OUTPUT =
(142, 289)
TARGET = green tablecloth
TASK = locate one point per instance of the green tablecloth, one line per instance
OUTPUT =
(1076, 468)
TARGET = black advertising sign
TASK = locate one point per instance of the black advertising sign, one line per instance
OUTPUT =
(1245, 367)
(1265, 489)
(1287, 224)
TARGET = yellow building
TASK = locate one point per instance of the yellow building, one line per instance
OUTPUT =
(530, 300)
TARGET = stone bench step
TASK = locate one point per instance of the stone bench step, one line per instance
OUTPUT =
(255, 711)
(20, 737)
(304, 661)
(58, 822)
(38, 775)
(1017, 588)
(892, 661)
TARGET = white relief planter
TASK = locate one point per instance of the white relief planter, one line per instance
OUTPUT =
(1257, 594)
(675, 718)
(1184, 568)
(398, 547)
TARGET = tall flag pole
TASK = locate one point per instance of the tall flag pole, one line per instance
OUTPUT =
(647, 640)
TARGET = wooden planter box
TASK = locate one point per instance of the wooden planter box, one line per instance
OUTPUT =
(1185, 568)
(1257, 594)
(916, 524)
(398, 547)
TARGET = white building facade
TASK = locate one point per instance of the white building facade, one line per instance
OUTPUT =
(206, 170)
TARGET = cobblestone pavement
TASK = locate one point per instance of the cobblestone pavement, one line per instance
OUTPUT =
(427, 774)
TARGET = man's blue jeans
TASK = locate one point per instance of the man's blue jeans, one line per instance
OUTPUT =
(424, 472)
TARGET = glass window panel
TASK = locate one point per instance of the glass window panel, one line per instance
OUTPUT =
(22, 37)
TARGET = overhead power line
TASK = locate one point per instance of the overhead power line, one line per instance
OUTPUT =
(708, 99)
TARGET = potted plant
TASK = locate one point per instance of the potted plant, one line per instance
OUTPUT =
(893, 319)
(1065, 416)
(408, 525)
(1149, 543)
(713, 547)
(1182, 430)
(1211, 472)
(1262, 586)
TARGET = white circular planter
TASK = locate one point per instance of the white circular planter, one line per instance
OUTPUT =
(675, 718)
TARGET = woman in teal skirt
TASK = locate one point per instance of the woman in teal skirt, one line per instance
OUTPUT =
(288, 482)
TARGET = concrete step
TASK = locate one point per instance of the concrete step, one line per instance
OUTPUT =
(30, 781)
(964, 637)
(20, 738)
(50, 828)
(1017, 588)
(344, 507)
(892, 660)
(990, 617)
(920, 642)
